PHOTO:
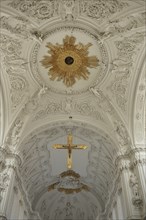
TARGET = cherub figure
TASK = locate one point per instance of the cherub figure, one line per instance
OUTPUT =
(69, 7)
(42, 91)
(134, 184)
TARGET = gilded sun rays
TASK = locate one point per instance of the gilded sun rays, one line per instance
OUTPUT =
(69, 61)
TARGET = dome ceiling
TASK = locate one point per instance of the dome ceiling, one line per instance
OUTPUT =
(91, 84)
(85, 47)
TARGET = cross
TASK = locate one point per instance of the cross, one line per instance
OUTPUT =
(70, 146)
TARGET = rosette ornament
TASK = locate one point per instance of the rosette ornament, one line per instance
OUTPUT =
(69, 62)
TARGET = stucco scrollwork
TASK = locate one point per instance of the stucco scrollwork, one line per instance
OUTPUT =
(136, 199)
(68, 105)
(13, 63)
(139, 121)
(100, 9)
(18, 83)
(13, 136)
(40, 10)
(11, 48)
(68, 210)
(134, 184)
(121, 68)
(68, 9)
(21, 27)
(4, 178)
(119, 128)
(103, 101)
(16, 25)
(16, 131)
(119, 26)
(19, 87)
(31, 105)
(122, 134)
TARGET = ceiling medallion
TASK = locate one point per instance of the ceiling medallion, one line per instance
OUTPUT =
(69, 182)
(69, 61)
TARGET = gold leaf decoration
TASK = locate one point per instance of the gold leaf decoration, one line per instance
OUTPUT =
(69, 61)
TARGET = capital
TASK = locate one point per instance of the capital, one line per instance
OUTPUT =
(123, 163)
(138, 156)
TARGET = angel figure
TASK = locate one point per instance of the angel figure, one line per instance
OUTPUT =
(42, 91)
(69, 7)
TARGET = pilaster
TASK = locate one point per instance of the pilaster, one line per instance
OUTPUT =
(6, 183)
(138, 165)
(124, 165)
(130, 198)
(120, 207)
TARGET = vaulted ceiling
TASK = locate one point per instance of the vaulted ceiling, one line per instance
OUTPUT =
(100, 101)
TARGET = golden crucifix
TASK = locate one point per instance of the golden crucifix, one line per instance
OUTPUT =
(69, 146)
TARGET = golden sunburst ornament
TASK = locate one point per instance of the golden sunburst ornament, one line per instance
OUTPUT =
(69, 61)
